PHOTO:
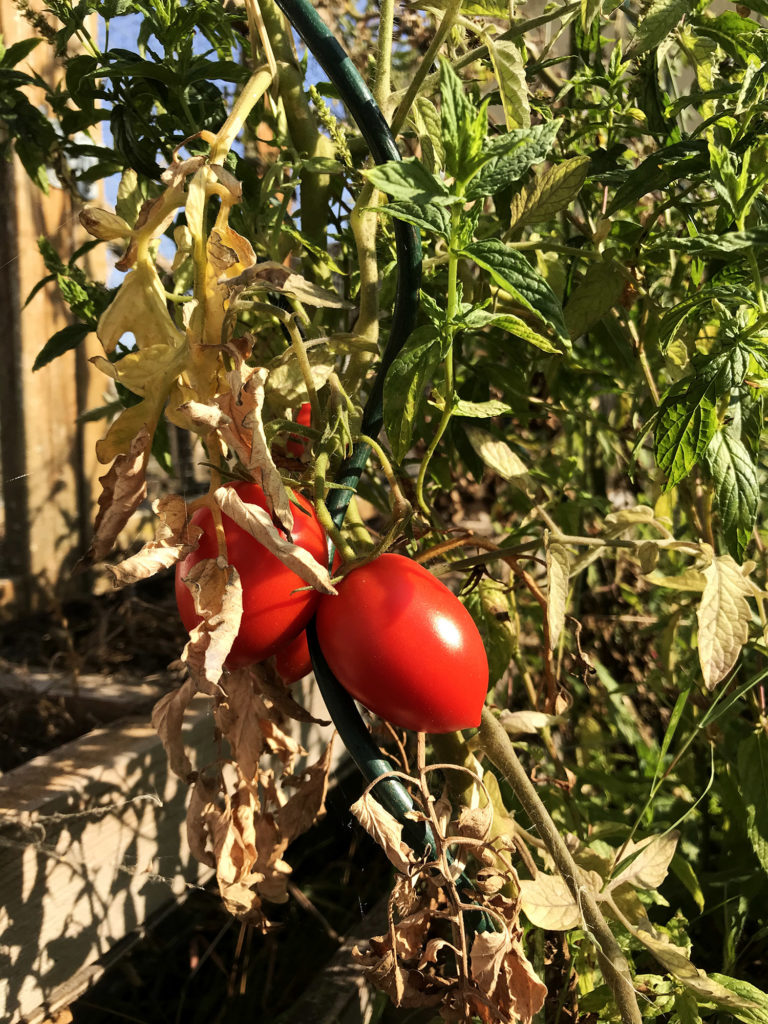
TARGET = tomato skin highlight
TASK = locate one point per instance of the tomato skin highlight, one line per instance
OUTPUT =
(403, 645)
(272, 614)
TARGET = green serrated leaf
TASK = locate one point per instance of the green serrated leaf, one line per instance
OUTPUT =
(682, 434)
(406, 381)
(62, 341)
(662, 16)
(737, 489)
(511, 271)
(408, 181)
(753, 786)
(509, 66)
(594, 297)
(713, 245)
(429, 217)
(510, 156)
(553, 192)
(479, 318)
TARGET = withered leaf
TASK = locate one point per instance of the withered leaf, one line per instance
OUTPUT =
(123, 488)
(527, 992)
(280, 743)
(308, 802)
(218, 596)
(272, 686)
(258, 523)
(167, 719)
(239, 711)
(175, 537)
(260, 463)
(486, 959)
(201, 803)
(384, 829)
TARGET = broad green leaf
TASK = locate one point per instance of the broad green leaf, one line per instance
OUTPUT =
(682, 869)
(723, 616)
(510, 156)
(737, 489)
(682, 435)
(480, 318)
(558, 572)
(509, 66)
(713, 245)
(590, 9)
(406, 381)
(497, 626)
(463, 127)
(687, 419)
(408, 181)
(753, 786)
(480, 410)
(659, 20)
(426, 120)
(511, 271)
(594, 297)
(754, 1009)
(62, 341)
(428, 216)
(680, 160)
(552, 192)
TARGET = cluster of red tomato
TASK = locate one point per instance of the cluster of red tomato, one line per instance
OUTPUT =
(395, 637)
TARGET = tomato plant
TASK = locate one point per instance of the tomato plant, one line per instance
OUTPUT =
(404, 646)
(276, 603)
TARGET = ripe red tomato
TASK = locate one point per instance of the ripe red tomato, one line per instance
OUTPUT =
(272, 613)
(292, 661)
(296, 445)
(402, 644)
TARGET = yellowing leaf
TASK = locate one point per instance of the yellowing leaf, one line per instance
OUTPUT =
(547, 900)
(651, 862)
(723, 616)
(558, 570)
(139, 308)
(498, 456)
(509, 66)
(691, 579)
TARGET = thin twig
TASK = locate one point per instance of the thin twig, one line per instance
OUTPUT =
(499, 749)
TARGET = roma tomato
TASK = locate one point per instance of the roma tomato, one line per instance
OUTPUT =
(402, 644)
(296, 445)
(272, 613)
(292, 661)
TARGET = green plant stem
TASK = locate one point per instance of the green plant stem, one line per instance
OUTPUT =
(382, 85)
(445, 26)
(363, 223)
(450, 317)
(499, 749)
(757, 277)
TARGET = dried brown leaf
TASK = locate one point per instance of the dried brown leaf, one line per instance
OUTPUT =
(308, 802)
(385, 830)
(280, 743)
(239, 711)
(123, 488)
(486, 959)
(167, 719)
(218, 596)
(258, 523)
(526, 991)
(175, 537)
(272, 686)
(201, 803)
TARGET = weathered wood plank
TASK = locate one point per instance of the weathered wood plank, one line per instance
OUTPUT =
(92, 844)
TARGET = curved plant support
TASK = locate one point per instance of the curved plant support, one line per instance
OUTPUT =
(366, 113)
